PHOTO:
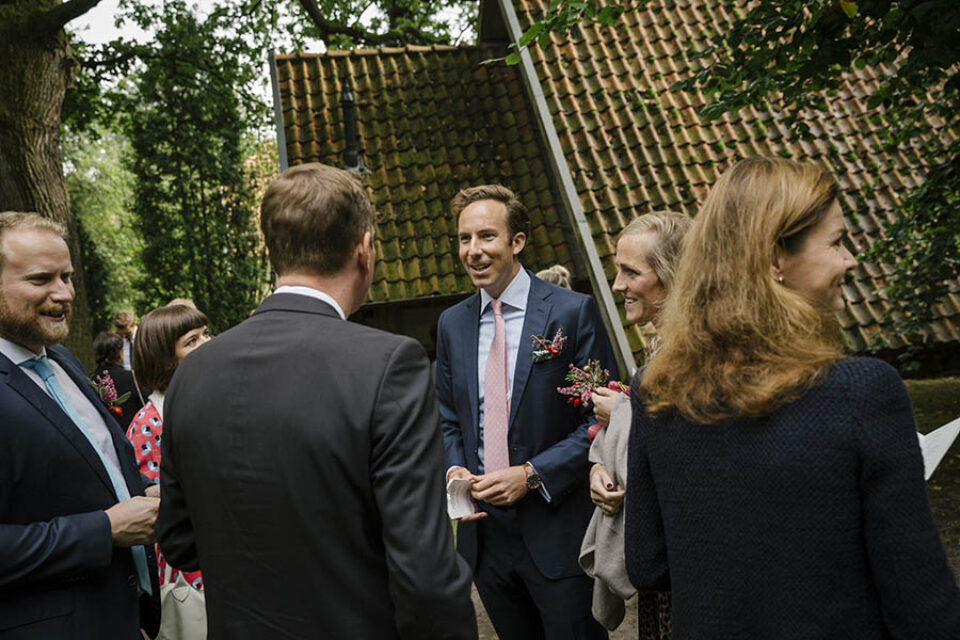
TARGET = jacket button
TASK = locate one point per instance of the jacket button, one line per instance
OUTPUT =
(132, 580)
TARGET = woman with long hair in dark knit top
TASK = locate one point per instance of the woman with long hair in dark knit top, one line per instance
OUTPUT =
(776, 486)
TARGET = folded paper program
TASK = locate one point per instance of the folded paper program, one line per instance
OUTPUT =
(935, 444)
(459, 502)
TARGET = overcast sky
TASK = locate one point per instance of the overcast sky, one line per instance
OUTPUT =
(96, 26)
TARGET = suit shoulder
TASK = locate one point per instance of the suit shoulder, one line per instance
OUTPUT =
(66, 355)
(571, 297)
(457, 310)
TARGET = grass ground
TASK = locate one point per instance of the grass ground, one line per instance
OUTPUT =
(935, 402)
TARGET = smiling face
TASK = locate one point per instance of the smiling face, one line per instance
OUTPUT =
(817, 268)
(488, 250)
(189, 341)
(36, 289)
(636, 281)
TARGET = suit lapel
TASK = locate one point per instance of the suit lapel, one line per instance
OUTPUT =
(128, 467)
(47, 407)
(471, 335)
(534, 323)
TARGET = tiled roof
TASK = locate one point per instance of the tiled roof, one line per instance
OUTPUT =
(633, 146)
(434, 120)
(431, 121)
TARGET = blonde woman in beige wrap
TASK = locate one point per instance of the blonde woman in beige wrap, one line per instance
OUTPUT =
(647, 251)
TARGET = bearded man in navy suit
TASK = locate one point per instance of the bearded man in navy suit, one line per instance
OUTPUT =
(507, 430)
(72, 557)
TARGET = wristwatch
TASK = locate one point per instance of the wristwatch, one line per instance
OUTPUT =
(533, 478)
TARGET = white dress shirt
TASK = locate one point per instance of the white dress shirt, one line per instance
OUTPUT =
(313, 293)
(514, 299)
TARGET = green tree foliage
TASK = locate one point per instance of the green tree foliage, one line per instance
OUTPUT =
(193, 198)
(189, 102)
(796, 53)
(793, 55)
(101, 188)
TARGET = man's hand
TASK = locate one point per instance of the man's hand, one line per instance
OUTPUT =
(603, 492)
(501, 488)
(603, 400)
(461, 473)
(132, 521)
(464, 474)
(153, 491)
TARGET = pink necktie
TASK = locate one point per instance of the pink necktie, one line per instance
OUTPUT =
(496, 454)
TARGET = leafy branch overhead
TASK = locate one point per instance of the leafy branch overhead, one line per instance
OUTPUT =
(793, 56)
(568, 16)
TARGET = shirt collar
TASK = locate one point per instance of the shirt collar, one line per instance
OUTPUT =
(515, 295)
(18, 354)
(313, 293)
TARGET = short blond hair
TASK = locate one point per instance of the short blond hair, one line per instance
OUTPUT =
(16, 220)
(557, 274)
(669, 227)
(312, 218)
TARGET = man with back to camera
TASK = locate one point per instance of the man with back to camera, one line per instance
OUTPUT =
(508, 430)
(72, 560)
(301, 463)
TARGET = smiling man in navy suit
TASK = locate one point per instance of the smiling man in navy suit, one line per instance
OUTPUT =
(508, 431)
(72, 557)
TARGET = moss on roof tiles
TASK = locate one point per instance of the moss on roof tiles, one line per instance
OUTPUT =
(667, 158)
(631, 145)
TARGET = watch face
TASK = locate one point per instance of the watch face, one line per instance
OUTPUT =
(533, 482)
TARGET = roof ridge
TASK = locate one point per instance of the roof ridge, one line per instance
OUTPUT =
(379, 51)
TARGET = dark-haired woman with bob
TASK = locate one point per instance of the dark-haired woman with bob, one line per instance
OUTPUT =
(775, 485)
(108, 352)
(165, 337)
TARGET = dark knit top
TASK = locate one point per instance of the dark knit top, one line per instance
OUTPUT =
(812, 522)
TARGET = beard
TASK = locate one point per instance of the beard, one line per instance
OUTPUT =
(28, 328)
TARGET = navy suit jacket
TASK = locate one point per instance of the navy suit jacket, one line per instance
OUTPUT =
(544, 428)
(60, 575)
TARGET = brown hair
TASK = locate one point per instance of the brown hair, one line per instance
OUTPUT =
(15, 220)
(154, 347)
(735, 341)
(123, 320)
(312, 217)
(669, 227)
(518, 221)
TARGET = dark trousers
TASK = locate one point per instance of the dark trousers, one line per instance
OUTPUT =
(522, 603)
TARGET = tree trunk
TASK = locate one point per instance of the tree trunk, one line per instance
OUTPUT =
(35, 71)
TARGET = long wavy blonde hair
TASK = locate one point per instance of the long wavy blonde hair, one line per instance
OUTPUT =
(736, 342)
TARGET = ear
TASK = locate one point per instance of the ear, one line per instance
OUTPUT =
(365, 252)
(519, 242)
(776, 266)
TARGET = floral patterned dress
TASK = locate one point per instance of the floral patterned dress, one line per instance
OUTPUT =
(144, 432)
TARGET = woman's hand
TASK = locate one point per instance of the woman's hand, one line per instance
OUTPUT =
(603, 492)
(603, 400)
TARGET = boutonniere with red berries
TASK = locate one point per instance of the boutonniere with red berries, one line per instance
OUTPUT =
(107, 391)
(544, 349)
(583, 382)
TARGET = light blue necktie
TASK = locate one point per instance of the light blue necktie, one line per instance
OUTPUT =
(42, 366)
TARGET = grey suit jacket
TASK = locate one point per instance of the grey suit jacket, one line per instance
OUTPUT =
(302, 472)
